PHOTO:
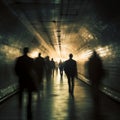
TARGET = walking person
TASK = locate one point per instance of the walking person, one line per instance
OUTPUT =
(52, 66)
(23, 69)
(39, 65)
(70, 68)
(48, 69)
(61, 68)
(96, 73)
(95, 70)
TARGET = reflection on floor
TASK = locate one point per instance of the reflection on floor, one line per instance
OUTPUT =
(55, 103)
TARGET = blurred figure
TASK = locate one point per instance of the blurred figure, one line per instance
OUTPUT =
(95, 73)
(70, 68)
(39, 64)
(47, 68)
(61, 68)
(56, 67)
(95, 70)
(23, 69)
(52, 66)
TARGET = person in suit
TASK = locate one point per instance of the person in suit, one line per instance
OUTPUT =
(70, 68)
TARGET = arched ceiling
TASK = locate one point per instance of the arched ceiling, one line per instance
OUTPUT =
(65, 26)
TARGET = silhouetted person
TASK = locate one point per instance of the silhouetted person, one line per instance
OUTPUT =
(52, 62)
(95, 73)
(48, 68)
(23, 69)
(39, 64)
(95, 69)
(70, 68)
(61, 68)
(56, 67)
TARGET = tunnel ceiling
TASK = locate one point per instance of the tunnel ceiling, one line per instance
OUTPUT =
(65, 26)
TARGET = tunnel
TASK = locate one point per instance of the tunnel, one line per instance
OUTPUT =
(57, 28)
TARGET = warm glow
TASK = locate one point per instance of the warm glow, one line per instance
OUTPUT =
(46, 45)
(84, 55)
(104, 51)
(85, 34)
(34, 53)
(66, 50)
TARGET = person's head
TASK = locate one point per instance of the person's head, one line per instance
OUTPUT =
(70, 55)
(39, 54)
(51, 59)
(25, 50)
(94, 52)
(47, 58)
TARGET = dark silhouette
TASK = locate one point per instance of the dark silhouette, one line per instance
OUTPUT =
(48, 68)
(70, 68)
(52, 66)
(39, 65)
(61, 68)
(95, 73)
(24, 69)
(56, 67)
(95, 69)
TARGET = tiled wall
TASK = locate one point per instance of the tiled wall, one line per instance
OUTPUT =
(108, 47)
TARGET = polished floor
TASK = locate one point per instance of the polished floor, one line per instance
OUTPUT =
(55, 103)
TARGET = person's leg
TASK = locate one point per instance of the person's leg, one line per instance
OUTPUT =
(20, 97)
(61, 73)
(29, 105)
(69, 84)
(72, 80)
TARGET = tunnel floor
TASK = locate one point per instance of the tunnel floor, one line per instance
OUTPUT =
(55, 103)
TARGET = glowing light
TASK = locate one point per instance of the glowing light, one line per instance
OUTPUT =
(66, 50)
(84, 55)
(34, 53)
(85, 34)
(104, 51)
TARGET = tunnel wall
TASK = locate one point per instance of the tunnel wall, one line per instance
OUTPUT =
(108, 47)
